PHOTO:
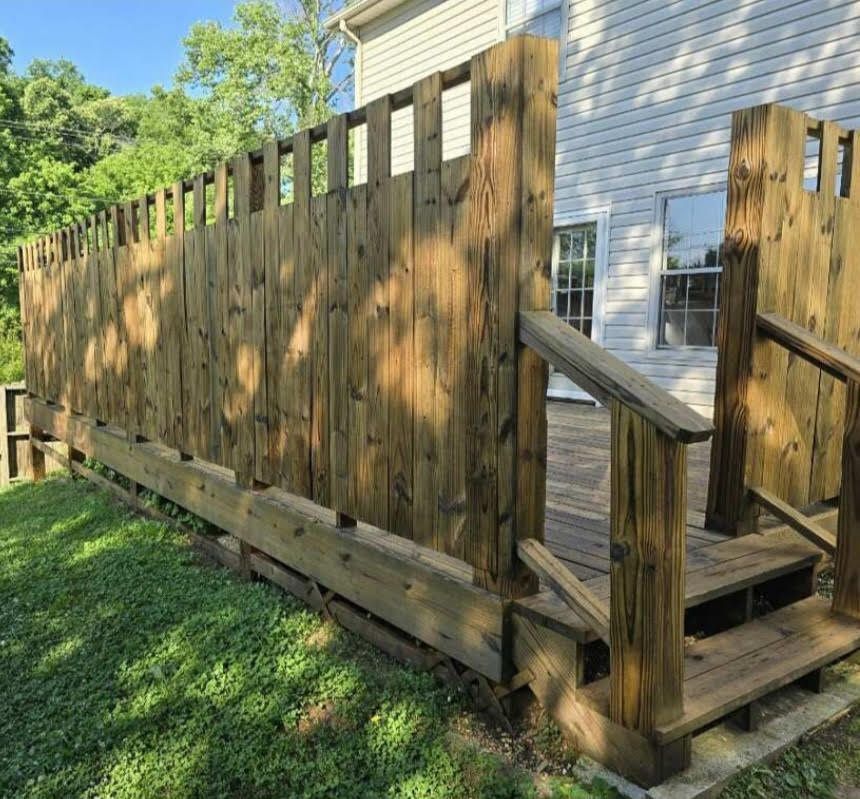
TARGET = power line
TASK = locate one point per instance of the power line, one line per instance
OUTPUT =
(78, 132)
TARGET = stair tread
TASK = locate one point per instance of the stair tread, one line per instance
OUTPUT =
(712, 572)
(724, 672)
(729, 670)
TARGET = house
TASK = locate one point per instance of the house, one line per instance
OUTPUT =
(646, 92)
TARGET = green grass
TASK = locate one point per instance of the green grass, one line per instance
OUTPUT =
(129, 669)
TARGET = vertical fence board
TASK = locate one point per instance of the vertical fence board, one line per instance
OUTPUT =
(430, 323)
(338, 314)
(280, 311)
(319, 353)
(360, 303)
(148, 311)
(453, 306)
(401, 365)
(219, 321)
(301, 322)
(241, 366)
(378, 319)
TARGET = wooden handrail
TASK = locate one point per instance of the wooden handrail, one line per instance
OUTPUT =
(606, 377)
(575, 594)
(826, 356)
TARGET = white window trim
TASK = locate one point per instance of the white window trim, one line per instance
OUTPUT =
(601, 215)
(564, 10)
(688, 354)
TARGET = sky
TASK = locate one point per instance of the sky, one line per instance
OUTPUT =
(126, 46)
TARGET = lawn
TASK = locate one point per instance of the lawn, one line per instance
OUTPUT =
(128, 668)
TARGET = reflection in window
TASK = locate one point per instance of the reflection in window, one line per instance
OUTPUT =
(537, 17)
(690, 274)
(573, 276)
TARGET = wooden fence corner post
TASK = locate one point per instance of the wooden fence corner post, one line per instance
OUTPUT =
(513, 113)
(846, 588)
(647, 573)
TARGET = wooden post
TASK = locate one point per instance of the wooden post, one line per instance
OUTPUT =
(647, 552)
(846, 589)
(514, 86)
(37, 457)
(5, 443)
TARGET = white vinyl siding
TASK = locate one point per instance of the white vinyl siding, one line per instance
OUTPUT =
(414, 40)
(645, 102)
(536, 17)
(645, 111)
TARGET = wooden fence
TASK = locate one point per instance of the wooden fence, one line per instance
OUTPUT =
(794, 252)
(15, 455)
(357, 347)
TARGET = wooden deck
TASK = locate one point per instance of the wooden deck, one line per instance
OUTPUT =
(577, 507)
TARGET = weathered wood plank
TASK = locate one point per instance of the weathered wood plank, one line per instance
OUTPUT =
(401, 363)
(423, 592)
(241, 366)
(360, 304)
(571, 590)
(301, 323)
(319, 309)
(338, 313)
(452, 314)
(540, 89)
(826, 356)
(378, 309)
(846, 590)
(431, 322)
(798, 521)
(649, 500)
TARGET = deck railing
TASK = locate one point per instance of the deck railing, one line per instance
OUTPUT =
(845, 368)
(648, 519)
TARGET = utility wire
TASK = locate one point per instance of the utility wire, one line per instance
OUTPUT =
(79, 132)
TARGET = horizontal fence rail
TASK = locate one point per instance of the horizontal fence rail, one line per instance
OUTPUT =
(343, 345)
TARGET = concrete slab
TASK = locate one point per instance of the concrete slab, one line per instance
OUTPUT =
(721, 753)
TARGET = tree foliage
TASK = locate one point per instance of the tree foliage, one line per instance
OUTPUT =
(69, 148)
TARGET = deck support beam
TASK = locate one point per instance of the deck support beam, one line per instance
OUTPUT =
(426, 593)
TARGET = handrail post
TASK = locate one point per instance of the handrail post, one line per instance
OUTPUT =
(647, 571)
(846, 587)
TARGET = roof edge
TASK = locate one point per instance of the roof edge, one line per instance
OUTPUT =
(360, 13)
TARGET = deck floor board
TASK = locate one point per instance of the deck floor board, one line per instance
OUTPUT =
(577, 502)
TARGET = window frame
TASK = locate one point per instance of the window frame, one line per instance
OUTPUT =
(601, 217)
(563, 7)
(684, 351)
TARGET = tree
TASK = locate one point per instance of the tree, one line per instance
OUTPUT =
(69, 148)
(276, 71)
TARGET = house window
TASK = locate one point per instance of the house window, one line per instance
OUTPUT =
(690, 269)
(538, 17)
(573, 276)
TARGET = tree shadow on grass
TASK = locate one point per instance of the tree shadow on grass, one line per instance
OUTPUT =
(127, 670)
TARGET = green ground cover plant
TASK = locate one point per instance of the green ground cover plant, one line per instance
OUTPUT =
(128, 668)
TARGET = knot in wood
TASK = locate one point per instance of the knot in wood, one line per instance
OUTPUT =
(742, 170)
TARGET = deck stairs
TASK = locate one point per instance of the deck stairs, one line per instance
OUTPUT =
(728, 671)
